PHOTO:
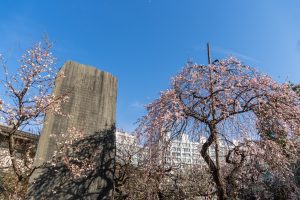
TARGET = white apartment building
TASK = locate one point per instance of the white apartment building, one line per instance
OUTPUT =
(126, 147)
(184, 152)
(181, 152)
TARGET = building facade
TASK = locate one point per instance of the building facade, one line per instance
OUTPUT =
(23, 141)
(181, 152)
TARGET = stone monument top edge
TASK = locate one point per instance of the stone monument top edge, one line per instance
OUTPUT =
(84, 66)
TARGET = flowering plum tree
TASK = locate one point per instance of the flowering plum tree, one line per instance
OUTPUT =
(227, 101)
(27, 97)
(296, 88)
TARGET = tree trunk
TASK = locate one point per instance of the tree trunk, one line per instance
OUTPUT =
(215, 169)
(13, 156)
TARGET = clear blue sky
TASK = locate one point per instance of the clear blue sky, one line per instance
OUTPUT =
(145, 42)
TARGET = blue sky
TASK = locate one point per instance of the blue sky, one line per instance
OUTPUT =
(145, 42)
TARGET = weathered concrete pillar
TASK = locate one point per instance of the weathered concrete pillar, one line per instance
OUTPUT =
(92, 109)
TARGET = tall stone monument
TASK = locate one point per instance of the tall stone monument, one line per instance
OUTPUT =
(92, 109)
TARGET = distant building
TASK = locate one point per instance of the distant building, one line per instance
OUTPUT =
(183, 152)
(180, 152)
(127, 149)
(22, 139)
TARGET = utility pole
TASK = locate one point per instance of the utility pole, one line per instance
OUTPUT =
(214, 129)
(208, 53)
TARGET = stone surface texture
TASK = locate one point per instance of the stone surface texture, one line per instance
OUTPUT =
(91, 108)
